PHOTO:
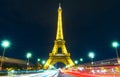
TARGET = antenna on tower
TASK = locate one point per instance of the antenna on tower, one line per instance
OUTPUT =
(59, 5)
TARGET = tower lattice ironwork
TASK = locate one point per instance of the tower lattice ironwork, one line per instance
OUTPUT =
(59, 51)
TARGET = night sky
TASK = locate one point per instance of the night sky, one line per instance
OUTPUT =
(88, 25)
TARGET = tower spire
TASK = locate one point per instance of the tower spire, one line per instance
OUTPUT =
(59, 34)
(59, 5)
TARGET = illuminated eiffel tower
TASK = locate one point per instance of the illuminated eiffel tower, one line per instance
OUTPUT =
(59, 52)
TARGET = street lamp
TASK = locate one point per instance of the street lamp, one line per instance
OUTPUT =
(38, 60)
(43, 62)
(76, 62)
(91, 55)
(81, 59)
(5, 44)
(28, 55)
(115, 45)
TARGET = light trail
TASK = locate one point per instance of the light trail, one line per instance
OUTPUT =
(91, 73)
(47, 73)
(72, 72)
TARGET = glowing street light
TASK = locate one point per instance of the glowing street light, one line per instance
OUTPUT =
(5, 44)
(43, 62)
(38, 60)
(28, 55)
(115, 45)
(91, 55)
(81, 59)
(76, 62)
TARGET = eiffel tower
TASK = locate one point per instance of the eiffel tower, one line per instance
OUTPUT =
(59, 52)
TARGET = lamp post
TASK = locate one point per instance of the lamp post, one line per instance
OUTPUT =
(115, 45)
(38, 64)
(5, 44)
(28, 56)
(91, 55)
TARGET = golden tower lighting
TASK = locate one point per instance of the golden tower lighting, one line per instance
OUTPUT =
(59, 51)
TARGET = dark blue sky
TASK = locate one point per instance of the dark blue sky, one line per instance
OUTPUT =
(89, 25)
